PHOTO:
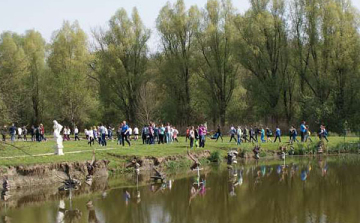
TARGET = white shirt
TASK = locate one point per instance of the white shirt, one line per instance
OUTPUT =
(130, 131)
(68, 131)
(136, 131)
(19, 131)
(105, 131)
(90, 133)
(76, 130)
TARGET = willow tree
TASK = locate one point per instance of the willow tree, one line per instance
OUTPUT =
(216, 62)
(70, 97)
(120, 64)
(177, 26)
(262, 50)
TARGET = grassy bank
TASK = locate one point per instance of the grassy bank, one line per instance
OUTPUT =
(24, 151)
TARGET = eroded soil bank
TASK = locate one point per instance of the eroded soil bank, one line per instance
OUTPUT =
(48, 174)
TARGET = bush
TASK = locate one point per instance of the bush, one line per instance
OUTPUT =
(215, 157)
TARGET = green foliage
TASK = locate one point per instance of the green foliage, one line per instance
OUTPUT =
(278, 63)
(215, 157)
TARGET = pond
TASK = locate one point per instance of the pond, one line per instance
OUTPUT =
(303, 190)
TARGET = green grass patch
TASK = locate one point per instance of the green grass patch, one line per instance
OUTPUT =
(114, 152)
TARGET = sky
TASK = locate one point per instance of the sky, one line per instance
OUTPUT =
(46, 16)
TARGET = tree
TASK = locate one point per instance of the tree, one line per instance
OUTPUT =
(70, 97)
(34, 48)
(263, 51)
(13, 67)
(217, 66)
(326, 46)
(177, 26)
(121, 61)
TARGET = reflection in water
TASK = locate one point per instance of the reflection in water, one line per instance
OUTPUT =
(252, 194)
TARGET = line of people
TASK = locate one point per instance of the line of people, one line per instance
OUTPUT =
(20, 133)
(241, 135)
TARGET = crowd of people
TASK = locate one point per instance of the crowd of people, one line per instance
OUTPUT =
(161, 134)
(21, 133)
(251, 134)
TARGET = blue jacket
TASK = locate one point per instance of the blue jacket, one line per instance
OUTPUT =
(124, 128)
(302, 128)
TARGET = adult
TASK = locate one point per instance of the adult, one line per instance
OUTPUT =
(192, 137)
(202, 135)
(277, 134)
(268, 134)
(219, 134)
(90, 134)
(24, 132)
(239, 135)
(145, 134)
(232, 133)
(42, 133)
(32, 133)
(302, 131)
(161, 134)
(124, 133)
(118, 134)
(245, 134)
(12, 131)
(19, 132)
(76, 133)
(4, 133)
(136, 133)
(150, 134)
(168, 133)
(110, 133)
(262, 136)
(253, 137)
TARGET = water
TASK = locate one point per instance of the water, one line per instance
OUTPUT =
(305, 190)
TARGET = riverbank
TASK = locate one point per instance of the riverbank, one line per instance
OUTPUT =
(29, 163)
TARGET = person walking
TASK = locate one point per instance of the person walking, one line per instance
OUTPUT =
(42, 133)
(12, 131)
(302, 131)
(118, 134)
(175, 134)
(124, 133)
(252, 135)
(19, 132)
(91, 139)
(24, 132)
(239, 135)
(277, 134)
(136, 133)
(232, 133)
(246, 134)
(76, 133)
(268, 134)
(219, 134)
(4, 133)
(262, 135)
(202, 134)
(32, 133)
(308, 134)
(192, 137)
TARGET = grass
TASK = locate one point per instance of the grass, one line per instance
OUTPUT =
(114, 152)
